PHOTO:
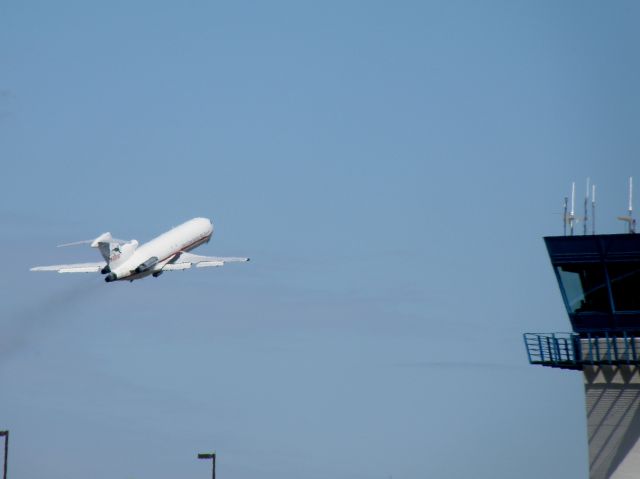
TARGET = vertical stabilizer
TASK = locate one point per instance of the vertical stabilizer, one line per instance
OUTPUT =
(119, 253)
(114, 251)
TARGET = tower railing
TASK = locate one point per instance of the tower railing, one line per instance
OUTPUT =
(573, 351)
(552, 349)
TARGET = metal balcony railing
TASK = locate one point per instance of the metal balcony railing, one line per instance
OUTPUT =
(573, 351)
(553, 349)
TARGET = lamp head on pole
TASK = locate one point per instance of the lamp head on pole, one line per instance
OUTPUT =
(207, 455)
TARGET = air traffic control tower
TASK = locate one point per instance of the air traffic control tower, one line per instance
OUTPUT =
(599, 279)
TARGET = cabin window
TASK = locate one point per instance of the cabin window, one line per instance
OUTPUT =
(584, 287)
(625, 285)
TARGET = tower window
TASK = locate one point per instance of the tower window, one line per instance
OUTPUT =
(625, 285)
(585, 287)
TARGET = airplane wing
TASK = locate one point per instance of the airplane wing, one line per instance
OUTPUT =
(72, 268)
(186, 260)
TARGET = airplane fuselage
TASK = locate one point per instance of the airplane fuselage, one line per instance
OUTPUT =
(150, 257)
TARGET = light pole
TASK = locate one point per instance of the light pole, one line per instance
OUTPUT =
(212, 456)
(5, 434)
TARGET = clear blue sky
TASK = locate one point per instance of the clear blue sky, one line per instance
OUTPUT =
(390, 167)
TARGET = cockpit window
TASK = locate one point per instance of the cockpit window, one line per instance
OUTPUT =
(625, 285)
(584, 287)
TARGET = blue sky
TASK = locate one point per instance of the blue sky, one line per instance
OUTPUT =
(391, 169)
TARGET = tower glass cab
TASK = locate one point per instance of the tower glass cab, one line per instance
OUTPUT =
(599, 279)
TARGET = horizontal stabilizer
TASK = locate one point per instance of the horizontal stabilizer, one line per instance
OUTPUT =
(75, 243)
(103, 238)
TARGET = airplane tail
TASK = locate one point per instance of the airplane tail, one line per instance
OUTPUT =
(105, 245)
(119, 253)
(114, 251)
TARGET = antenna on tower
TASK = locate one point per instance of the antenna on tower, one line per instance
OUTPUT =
(629, 218)
(593, 209)
(564, 216)
(632, 223)
(586, 202)
(572, 215)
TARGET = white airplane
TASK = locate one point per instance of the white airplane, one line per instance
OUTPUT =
(125, 260)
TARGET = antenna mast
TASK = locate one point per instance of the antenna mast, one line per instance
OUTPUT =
(572, 215)
(632, 222)
(564, 216)
(586, 202)
(629, 218)
(593, 209)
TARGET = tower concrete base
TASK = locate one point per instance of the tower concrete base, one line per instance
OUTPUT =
(613, 421)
